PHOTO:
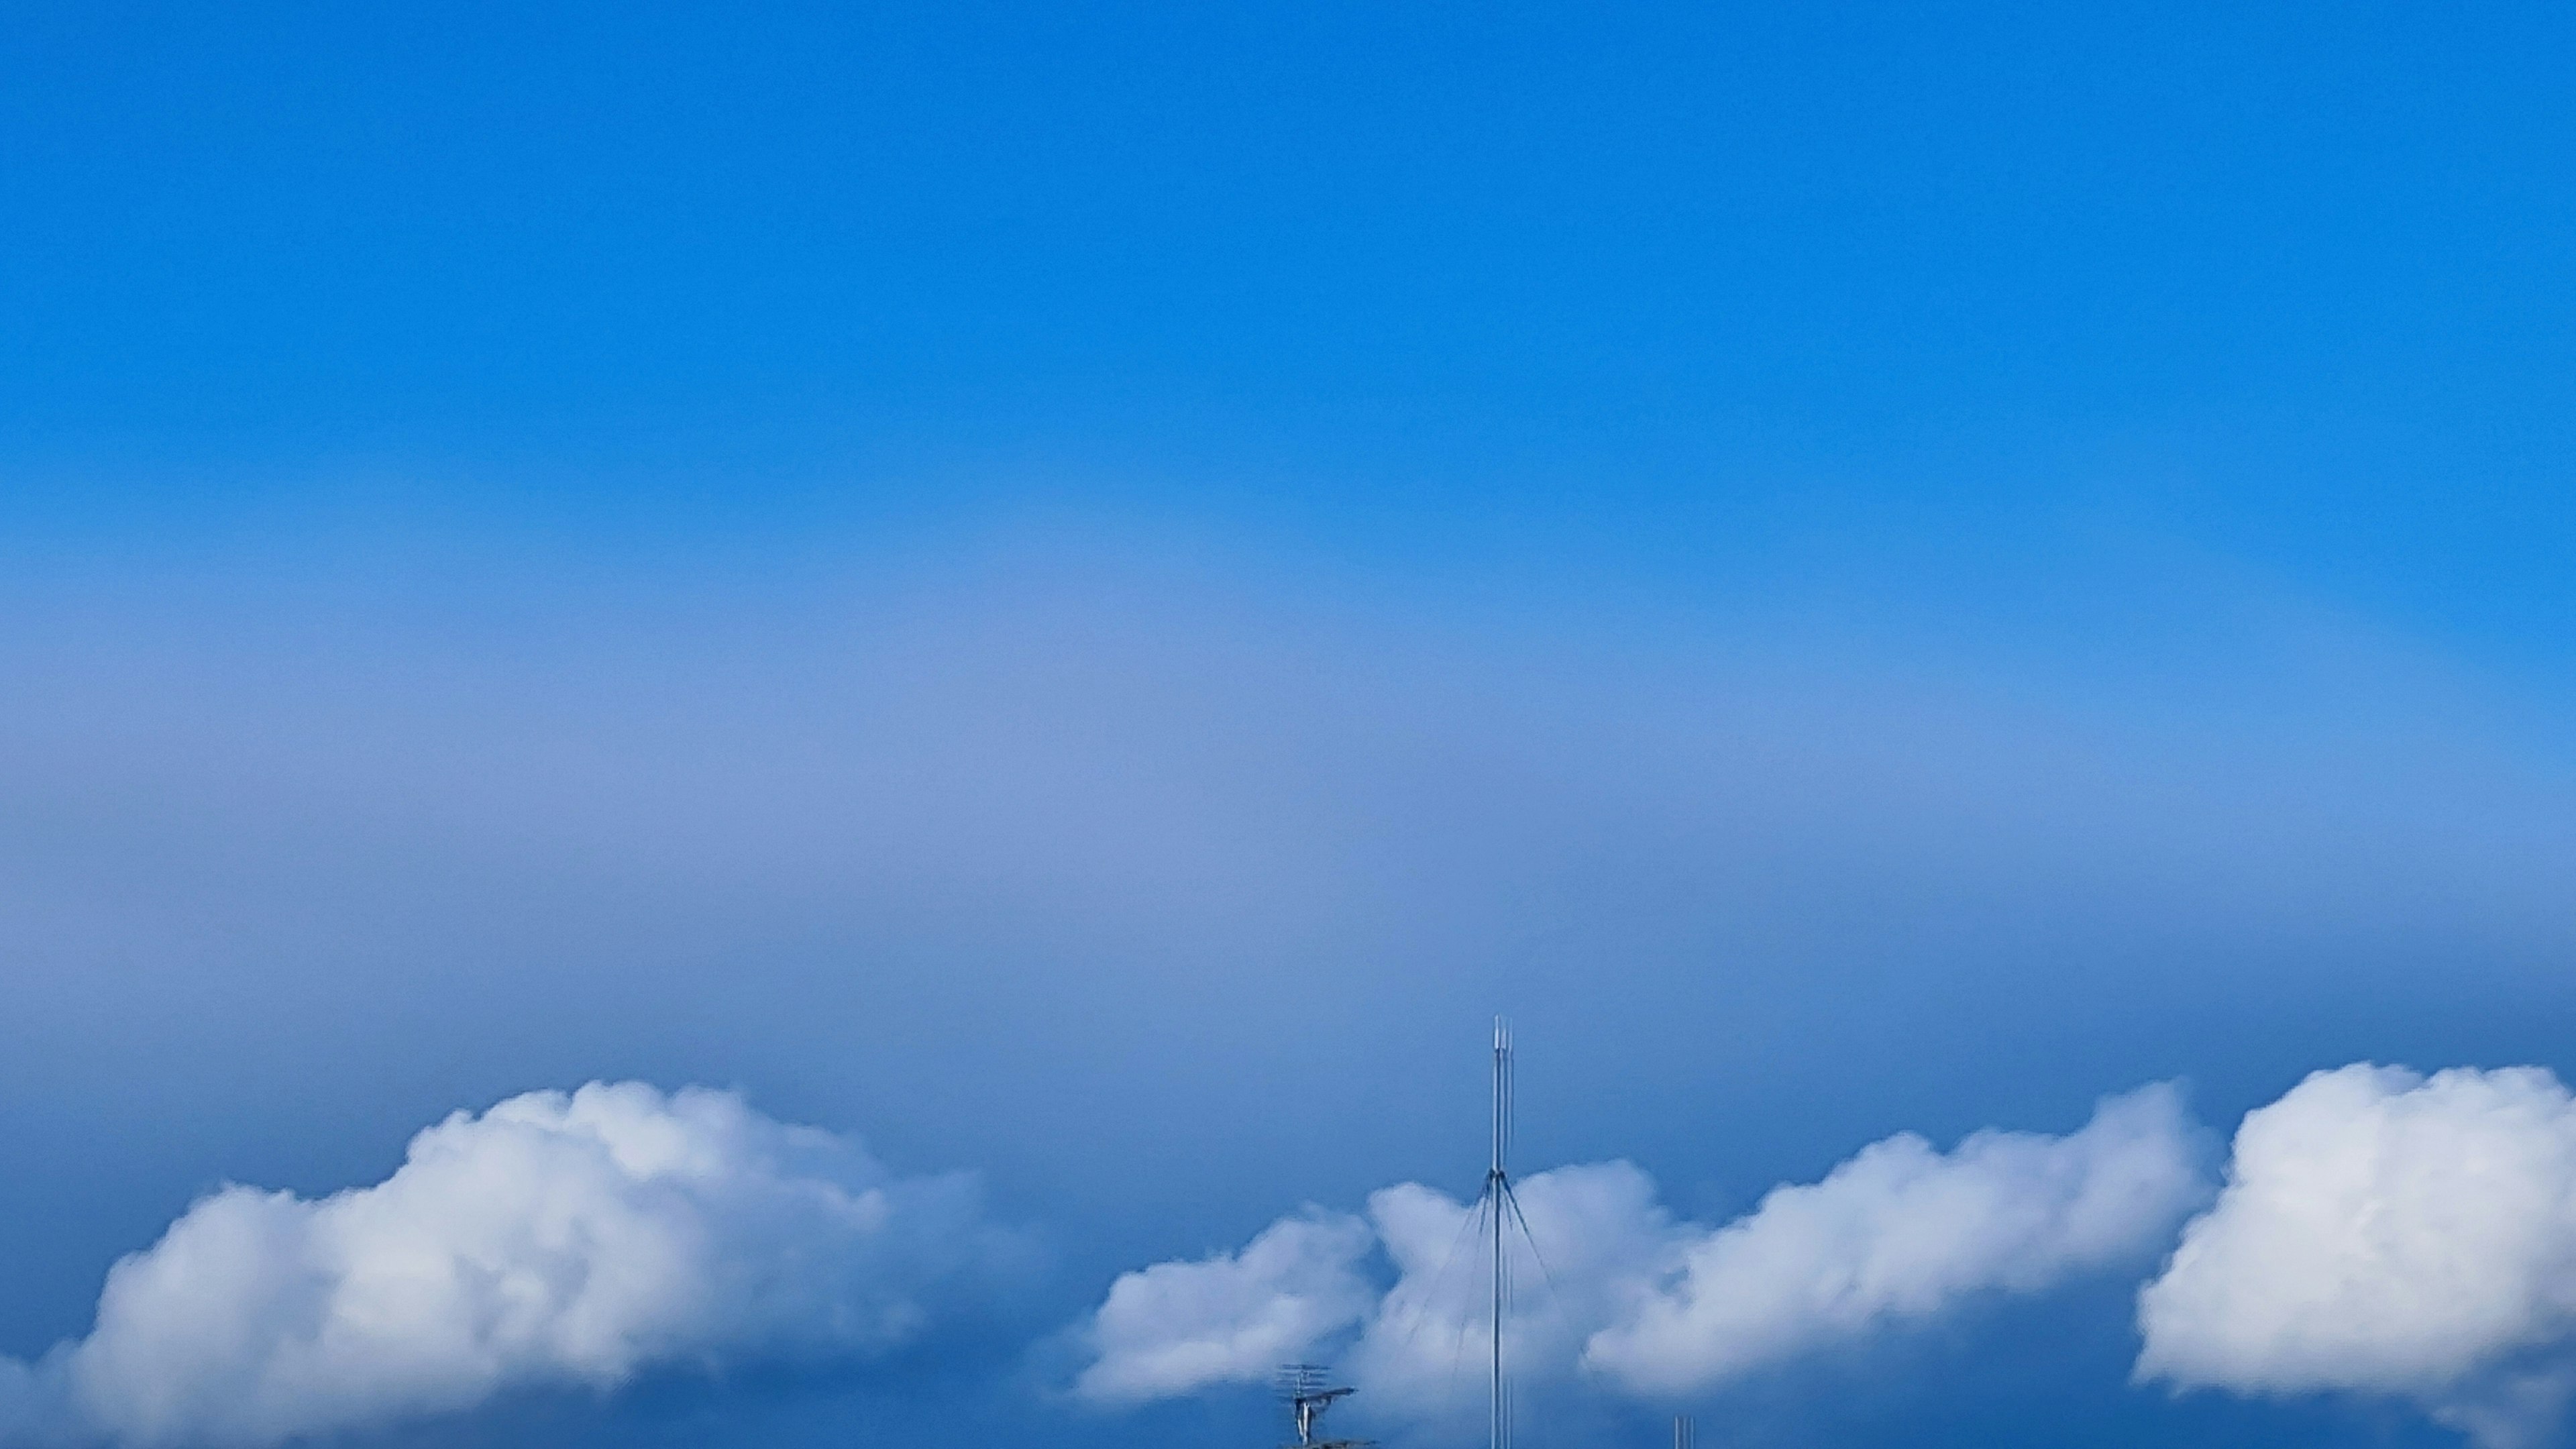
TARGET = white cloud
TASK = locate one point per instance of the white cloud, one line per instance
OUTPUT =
(1900, 1231)
(1231, 1317)
(1598, 1231)
(1619, 1289)
(555, 1239)
(2384, 1232)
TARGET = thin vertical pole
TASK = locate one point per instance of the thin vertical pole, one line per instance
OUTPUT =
(1497, 1184)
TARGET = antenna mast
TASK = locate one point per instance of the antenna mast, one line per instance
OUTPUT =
(1498, 1198)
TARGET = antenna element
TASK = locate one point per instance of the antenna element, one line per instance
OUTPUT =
(1301, 1386)
(1497, 1207)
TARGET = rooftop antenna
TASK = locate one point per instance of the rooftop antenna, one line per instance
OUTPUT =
(1685, 1433)
(1500, 1207)
(1302, 1386)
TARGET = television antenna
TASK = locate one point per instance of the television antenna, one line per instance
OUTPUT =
(1302, 1387)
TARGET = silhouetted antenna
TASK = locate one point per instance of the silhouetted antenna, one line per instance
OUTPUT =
(1302, 1386)
(1497, 1214)
(1498, 1187)
(1499, 1210)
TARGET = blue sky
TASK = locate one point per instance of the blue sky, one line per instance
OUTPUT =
(1083, 594)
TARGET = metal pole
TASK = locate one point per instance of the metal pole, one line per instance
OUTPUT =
(1496, 1185)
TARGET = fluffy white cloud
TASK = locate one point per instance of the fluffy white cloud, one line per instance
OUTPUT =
(1900, 1231)
(1230, 1317)
(555, 1239)
(1598, 1232)
(2385, 1232)
(1618, 1288)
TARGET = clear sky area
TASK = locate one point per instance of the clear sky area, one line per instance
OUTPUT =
(1013, 626)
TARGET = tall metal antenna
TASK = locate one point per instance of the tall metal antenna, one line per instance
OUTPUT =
(1498, 1197)
(1685, 1433)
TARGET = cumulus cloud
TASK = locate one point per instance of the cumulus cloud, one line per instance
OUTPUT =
(2385, 1232)
(1620, 1290)
(1901, 1231)
(1230, 1317)
(1597, 1232)
(556, 1239)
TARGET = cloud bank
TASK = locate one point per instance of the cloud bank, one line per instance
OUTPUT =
(557, 1239)
(2378, 1231)
(2385, 1232)
(1623, 1292)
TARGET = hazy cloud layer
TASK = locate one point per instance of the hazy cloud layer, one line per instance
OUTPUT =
(1006, 843)
(1616, 1287)
(557, 1239)
(2386, 1232)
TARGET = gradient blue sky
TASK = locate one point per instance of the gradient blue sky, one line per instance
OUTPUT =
(1083, 592)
